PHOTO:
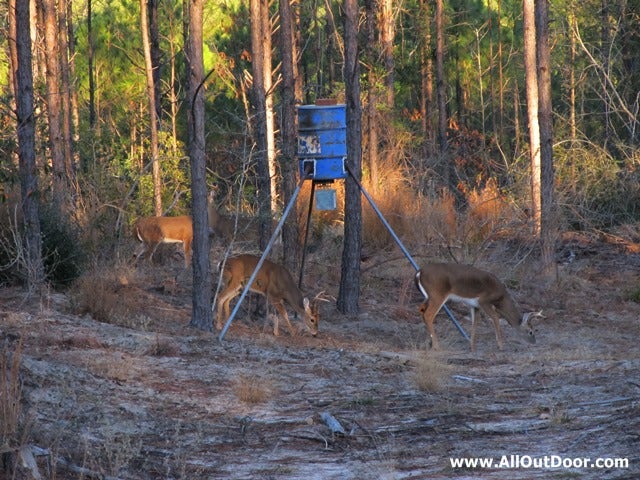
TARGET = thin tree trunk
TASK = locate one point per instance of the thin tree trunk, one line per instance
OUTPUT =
(545, 117)
(372, 97)
(349, 291)
(387, 36)
(153, 116)
(20, 54)
(288, 166)
(54, 106)
(201, 296)
(260, 119)
(156, 56)
(531, 85)
(441, 94)
(73, 92)
(269, 113)
(90, 64)
(426, 97)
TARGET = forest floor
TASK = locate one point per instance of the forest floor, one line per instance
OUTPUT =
(146, 396)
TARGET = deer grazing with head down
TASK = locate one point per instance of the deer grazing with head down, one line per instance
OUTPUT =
(274, 282)
(476, 288)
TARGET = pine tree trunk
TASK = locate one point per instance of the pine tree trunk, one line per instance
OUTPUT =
(349, 292)
(20, 54)
(153, 117)
(531, 85)
(201, 296)
(289, 167)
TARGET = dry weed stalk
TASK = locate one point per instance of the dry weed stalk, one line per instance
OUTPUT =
(251, 389)
(10, 396)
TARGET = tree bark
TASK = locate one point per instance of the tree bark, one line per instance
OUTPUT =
(531, 86)
(349, 291)
(372, 97)
(545, 117)
(153, 115)
(260, 119)
(201, 315)
(20, 54)
(288, 166)
(441, 94)
(54, 107)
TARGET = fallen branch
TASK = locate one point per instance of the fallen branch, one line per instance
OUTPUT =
(332, 423)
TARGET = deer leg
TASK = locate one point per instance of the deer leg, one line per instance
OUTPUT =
(283, 313)
(223, 305)
(473, 329)
(491, 312)
(433, 306)
(187, 253)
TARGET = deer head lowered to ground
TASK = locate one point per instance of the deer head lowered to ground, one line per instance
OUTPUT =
(476, 288)
(274, 282)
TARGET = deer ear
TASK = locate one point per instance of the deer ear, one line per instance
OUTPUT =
(305, 303)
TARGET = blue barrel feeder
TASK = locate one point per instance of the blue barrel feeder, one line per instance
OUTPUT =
(322, 141)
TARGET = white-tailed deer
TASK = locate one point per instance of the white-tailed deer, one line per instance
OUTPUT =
(152, 231)
(476, 288)
(221, 225)
(274, 282)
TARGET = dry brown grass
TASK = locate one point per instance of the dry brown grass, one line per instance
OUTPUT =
(100, 293)
(252, 389)
(431, 374)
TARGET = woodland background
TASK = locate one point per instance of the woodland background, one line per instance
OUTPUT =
(117, 109)
(444, 117)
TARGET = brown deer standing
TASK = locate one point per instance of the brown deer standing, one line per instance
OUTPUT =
(152, 231)
(476, 288)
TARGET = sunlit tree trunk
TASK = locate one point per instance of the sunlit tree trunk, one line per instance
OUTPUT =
(372, 95)
(73, 91)
(153, 115)
(291, 251)
(61, 175)
(90, 66)
(269, 113)
(20, 55)
(531, 85)
(156, 56)
(65, 94)
(572, 76)
(387, 37)
(349, 291)
(201, 295)
(426, 97)
(441, 93)
(257, 8)
(545, 117)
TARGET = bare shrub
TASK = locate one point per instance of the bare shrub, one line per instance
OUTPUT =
(163, 347)
(251, 389)
(98, 293)
(431, 374)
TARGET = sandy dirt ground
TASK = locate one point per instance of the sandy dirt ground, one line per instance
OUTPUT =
(149, 397)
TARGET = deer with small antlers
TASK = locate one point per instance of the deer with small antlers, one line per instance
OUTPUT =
(440, 282)
(274, 282)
